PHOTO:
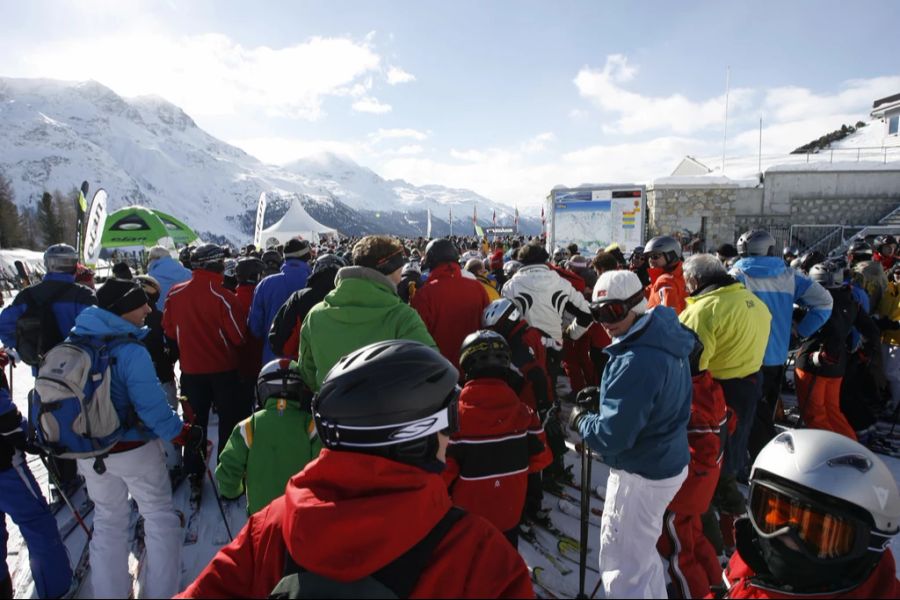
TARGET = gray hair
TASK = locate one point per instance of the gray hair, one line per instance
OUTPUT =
(703, 268)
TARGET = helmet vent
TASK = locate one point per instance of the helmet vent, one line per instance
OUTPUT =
(787, 440)
(856, 461)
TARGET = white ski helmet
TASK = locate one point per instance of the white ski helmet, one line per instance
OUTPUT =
(836, 476)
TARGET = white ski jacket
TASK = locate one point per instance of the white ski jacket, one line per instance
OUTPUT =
(543, 296)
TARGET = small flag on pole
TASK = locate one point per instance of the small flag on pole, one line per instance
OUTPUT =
(475, 214)
(516, 221)
(428, 232)
(494, 217)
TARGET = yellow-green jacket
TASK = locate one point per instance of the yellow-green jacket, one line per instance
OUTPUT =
(890, 308)
(265, 450)
(733, 325)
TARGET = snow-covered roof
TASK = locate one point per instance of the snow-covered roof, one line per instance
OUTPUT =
(819, 167)
(704, 181)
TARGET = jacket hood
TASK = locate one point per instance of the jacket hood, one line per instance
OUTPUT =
(97, 322)
(660, 329)
(365, 290)
(345, 504)
(761, 266)
(445, 270)
(490, 401)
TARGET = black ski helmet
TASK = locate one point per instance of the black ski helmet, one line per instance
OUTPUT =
(439, 251)
(860, 250)
(884, 240)
(501, 316)
(756, 242)
(279, 378)
(790, 251)
(667, 246)
(208, 256)
(389, 398)
(249, 270)
(827, 274)
(328, 261)
(184, 257)
(810, 259)
(484, 352)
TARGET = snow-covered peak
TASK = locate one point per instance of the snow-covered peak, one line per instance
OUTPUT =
(147, 150)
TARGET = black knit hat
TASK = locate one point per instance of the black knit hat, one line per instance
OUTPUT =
(297, 248)
(120, 296)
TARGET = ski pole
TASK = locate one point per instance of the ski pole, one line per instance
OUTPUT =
(65, 496)
(189, 414)
(12, 364)
(212, 482)
(585, 505)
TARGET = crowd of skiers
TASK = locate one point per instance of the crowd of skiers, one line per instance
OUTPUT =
(390, 409)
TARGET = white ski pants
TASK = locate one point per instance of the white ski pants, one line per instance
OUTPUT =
(630, 566)
(142, 473)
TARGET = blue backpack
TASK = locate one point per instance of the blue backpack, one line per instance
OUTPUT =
(70, 410)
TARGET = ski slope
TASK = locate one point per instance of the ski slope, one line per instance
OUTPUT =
(556, 566)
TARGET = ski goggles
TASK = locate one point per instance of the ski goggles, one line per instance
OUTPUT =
(445, 420)
(614, 310)
(820, 532)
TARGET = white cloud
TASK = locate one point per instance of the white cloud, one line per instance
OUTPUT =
(393, 134)
(408, 150)
(397, 75)
(211, 74)
(538, 142)
(468, 155)
(279, 151)
(637, 113)
(371, 105)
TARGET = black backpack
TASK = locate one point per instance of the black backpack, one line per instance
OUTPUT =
(37, 330)
(395, 580)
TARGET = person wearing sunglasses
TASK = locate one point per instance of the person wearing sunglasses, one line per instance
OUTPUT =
(637, 421)
(665, 257)
(371, 516)
(821, 514)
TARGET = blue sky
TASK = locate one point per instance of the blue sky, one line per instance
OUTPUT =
(506, 98)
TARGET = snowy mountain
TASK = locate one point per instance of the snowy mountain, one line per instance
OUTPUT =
(148, 151)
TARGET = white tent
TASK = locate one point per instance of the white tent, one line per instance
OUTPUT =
(296, 222)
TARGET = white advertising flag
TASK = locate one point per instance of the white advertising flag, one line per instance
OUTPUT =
(93, 231)
(260, 216)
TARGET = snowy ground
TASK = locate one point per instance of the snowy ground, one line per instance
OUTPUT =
(556, 566)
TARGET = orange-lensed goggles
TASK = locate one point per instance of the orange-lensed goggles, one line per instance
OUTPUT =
(821, 533)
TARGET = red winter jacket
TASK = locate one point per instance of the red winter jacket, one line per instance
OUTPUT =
(451, 307)
(529, 357)
(251, 352)
(347, 515)
(882, 583)
(667, 289)
(707, 430)
(208, 323)
(575, 279)
(886, 261)
(499, 442)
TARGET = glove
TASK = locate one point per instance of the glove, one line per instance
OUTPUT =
(822, 359)
(7, 356)
(4, 358)
(191, 436)
(586, 402)
(886, 324)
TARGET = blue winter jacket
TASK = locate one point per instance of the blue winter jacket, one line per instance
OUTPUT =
(134, 383)
(270, 294)
(780, 287)
(645, 399)
(65, 308)
(167, 271)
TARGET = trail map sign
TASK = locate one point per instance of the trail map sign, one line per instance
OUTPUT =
(595, 216)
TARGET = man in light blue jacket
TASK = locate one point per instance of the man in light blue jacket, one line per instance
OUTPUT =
(639, 427)
(136, 465)
(167, 271)
(779, 287)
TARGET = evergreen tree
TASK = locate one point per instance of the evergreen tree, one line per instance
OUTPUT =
(66, 215)
(31, 231)
(48, 220)
(10, 227)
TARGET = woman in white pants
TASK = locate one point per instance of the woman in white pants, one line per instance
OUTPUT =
(137, 464)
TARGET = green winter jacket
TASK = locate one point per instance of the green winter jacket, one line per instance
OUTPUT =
(265, 450)
(363, 308)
